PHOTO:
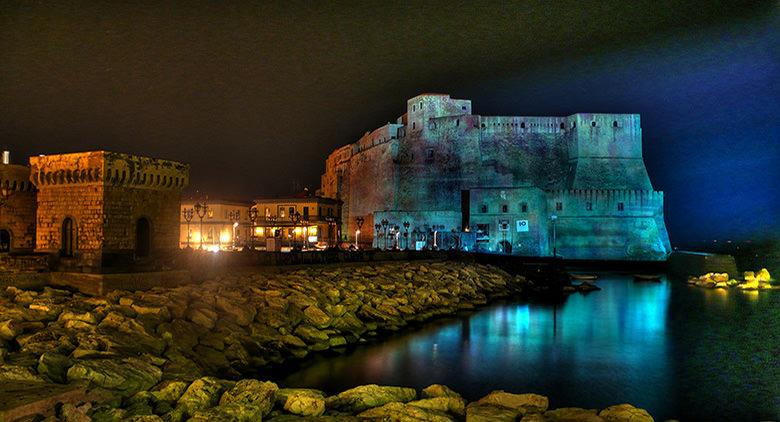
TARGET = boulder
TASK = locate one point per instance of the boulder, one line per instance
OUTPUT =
(15, 373)
(438, 390)
(233, 412)
(572, 414)
(252, 392)
(454, 405)
(364, 397)
(476, 412)
(126, 376)
(316, 317)
(310, 334)
(400, 412)
(301, 401)
(202, 394)
(170, 391)
(625, 413)
(523, 403)
(54, 366)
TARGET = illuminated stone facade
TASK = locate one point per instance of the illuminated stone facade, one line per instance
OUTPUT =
(495, 183)
(17, 209)
(101, 210)
(318, 224)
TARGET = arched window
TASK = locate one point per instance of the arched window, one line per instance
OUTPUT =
(5, 241)
(522, 125)
(413, 125)
(67, 238)
(614, 123)
(457, 122)
(143, 237)
(563, 126)
(483, 125)
(593, 123)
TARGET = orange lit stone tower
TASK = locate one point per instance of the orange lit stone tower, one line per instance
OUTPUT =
(102, 211)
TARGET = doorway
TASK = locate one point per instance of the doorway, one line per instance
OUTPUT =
(67, 238)
(143, 237)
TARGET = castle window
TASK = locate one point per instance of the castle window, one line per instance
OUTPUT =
(483, 209)
(620, 206)
(523, 207)
(559, 206)
(593, 123)
(291, 211)
(429, 154)
(614, 123)
(589, 206)
(414, 107)
(457, 122)
(563, 126)
(522, 125)
(573, 125)
(483, 125)
(505, 208)
(463, 107)
(413, 125)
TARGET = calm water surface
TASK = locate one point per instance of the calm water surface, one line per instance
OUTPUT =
(678, 351)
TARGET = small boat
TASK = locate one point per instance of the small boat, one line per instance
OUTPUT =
(583, 276)
(647, 277)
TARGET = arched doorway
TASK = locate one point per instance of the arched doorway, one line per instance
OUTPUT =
(505, 247)
(66, 240)
(5, 241)
(143, 237)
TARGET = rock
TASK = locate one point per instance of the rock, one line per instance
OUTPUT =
(87, 317)
(252, 392)
(476, 412)
(364, 397)
(310, 335)
(301, 401)
(523, 403)
(126, 376)
(572, 414)
(170, 391)
(54, 366)
(204, 317)
(438, 390)
(454, 405)
(15, 373)
(625, 413)
(107, 414)
(763, 276)
(202, 394)
(9, 329)
(400, 412)
(71, 413)
(316, 317)
(233, 412)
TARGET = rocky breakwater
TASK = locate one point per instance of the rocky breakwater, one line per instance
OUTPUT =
(213, 399)
(126, 342)
(760, 280)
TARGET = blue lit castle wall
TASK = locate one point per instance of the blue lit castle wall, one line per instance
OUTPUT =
(444, 169)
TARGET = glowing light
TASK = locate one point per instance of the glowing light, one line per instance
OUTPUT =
(259, 231)
(313, 239)
(213, 248)
(224, 237)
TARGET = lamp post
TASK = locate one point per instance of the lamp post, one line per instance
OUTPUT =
(385, 223)
(554, 219)
(377, 227)
(187, 214)
(253, 219)
(295, 218)
(234, 216)
(359, 223)
(201, 208)
(406, 234)
(305, 222)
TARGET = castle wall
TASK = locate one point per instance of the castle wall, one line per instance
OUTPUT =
(609, 224)
(526, 220)
(17, 209)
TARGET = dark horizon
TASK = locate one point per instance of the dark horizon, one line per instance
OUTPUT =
(255, 97)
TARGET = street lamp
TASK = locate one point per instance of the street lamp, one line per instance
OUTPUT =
(377, 227)
(305, 223)
(295, 218)
(406, 234)
(253, 219)
(201, 208)
(385, 223)
(359, 222)
(187, 214)
(554, 219)
(234, 216)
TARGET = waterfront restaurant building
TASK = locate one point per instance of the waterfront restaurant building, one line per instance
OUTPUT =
(302, 220)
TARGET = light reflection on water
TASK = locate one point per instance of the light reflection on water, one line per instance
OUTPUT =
(675, 350)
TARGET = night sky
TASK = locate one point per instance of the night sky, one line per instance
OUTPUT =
(255, 96)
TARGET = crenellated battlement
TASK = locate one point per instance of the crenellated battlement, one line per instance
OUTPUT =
(109, 169)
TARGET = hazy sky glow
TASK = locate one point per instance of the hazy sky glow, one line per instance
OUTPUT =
(255, 96)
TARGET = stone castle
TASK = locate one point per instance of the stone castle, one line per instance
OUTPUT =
(573, 186)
